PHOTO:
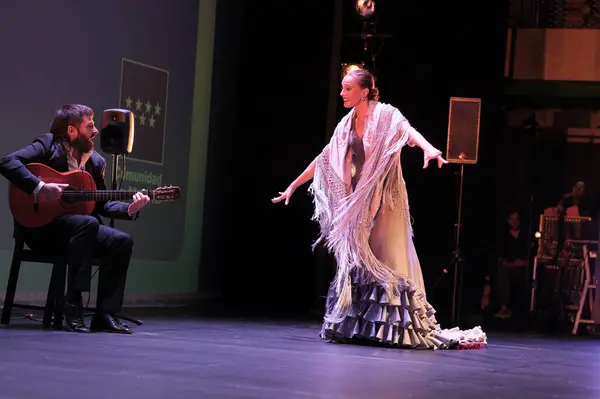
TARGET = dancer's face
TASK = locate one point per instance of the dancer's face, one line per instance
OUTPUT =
(352, 93)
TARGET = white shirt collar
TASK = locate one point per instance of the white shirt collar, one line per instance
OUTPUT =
(73, 162)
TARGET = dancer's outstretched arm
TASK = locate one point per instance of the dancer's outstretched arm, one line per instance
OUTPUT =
(429, 151)
(304, 177)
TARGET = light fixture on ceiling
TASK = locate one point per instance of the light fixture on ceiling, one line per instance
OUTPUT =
(365, 8)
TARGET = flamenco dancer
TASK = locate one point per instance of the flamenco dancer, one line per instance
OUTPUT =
(361, 204)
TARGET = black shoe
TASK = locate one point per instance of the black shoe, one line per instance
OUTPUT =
(107, 323)
(74, 317)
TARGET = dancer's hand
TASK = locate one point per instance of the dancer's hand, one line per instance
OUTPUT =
(431, 155)
(285, 195)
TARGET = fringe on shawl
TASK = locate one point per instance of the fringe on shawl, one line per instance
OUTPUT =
(345, 220)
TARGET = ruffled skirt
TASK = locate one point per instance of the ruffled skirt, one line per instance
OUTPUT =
(406, 321)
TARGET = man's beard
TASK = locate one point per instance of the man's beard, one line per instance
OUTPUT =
(83, 144)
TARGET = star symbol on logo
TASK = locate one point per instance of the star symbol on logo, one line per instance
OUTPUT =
(128, 102)
(157, 109)
(152, 121)
(138, 104)
(142, 120)
(148, 107)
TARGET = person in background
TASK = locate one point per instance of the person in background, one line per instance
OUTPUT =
(575, 199)
(513, 259)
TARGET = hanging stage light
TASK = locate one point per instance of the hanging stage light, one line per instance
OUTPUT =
(346, 67)
(365, 8)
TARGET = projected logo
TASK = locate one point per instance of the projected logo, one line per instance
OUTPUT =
(144, 91)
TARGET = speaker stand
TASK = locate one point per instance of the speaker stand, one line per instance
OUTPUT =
(112, 224)
(457, 261)
(115, 166)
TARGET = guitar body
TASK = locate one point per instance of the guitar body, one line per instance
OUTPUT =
(36, 210)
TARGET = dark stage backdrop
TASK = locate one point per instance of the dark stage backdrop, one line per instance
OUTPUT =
(273, 124)
(440, 51)
(268, 116)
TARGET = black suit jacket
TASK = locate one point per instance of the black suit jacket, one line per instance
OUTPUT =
(45, 150)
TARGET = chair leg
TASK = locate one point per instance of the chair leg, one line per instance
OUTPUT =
(51, 296)
(59, 294)
(11, 287)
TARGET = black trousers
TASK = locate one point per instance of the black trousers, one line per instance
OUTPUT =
(512, 287)
(83, 238)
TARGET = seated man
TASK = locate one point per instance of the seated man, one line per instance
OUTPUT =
(69, 146)
(513, 254)
(575, 199)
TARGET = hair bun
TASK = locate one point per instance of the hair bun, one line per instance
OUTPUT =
(366, 80)
(374, 94)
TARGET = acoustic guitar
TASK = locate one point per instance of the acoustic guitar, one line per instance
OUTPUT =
(32, 210)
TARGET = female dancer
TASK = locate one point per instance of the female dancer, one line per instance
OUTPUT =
(362, 208)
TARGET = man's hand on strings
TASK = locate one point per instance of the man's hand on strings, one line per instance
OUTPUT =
(52, 191)
(431, 155)
(284, 195)
(140, 200)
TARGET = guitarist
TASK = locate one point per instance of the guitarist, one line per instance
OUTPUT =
(70, 146)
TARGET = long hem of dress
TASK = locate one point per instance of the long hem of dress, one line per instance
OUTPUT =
(407, 321)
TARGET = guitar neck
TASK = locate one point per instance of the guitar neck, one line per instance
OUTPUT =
(102, 195)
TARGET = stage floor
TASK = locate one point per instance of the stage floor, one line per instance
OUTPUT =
(190, 357)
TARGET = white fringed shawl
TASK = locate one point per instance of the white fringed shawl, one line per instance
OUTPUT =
(346, 217)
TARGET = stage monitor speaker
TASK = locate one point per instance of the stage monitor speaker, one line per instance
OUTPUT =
(116, 135)
(463, 130)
